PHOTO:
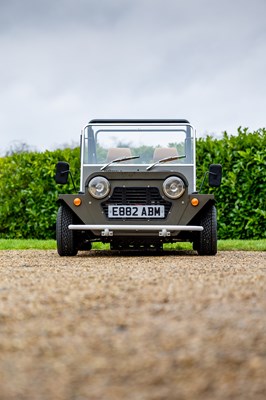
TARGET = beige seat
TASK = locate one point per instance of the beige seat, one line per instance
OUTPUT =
(163, 152)
(118, 152)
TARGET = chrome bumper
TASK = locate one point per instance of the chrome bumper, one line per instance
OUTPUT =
(165, 230)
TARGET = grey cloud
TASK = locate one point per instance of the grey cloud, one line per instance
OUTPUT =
(65, 62)
(58, 14)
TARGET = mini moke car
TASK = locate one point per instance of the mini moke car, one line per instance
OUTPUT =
(137, 189)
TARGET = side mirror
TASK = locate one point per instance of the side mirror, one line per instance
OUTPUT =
(62, 171)
(215, 175)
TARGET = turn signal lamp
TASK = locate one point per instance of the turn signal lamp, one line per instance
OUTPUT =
(194, 202)
(77, 201)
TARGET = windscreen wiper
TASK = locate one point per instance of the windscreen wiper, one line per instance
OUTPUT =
(162, 160)
(119, 160)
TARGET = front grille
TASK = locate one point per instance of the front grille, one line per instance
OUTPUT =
(136, 196)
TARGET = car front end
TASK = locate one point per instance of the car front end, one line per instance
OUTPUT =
(137, 186)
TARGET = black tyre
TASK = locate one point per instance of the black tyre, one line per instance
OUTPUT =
(206, 241)
(65, 237)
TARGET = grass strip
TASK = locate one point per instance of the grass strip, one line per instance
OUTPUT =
(27, 244)
(244, 245)
(223, 245)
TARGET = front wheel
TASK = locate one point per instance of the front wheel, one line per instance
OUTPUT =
(65, 237)
(206, 241)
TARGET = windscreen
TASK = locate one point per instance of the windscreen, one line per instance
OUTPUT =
(145, 144)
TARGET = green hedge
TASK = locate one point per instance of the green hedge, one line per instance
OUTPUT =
(242, 194)
(28, 191)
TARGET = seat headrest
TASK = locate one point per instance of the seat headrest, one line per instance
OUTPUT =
(118, 152)
(163, 152)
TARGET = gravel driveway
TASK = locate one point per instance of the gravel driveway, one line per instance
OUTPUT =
(108, 326)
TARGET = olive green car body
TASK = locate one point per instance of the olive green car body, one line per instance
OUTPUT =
(138, 189)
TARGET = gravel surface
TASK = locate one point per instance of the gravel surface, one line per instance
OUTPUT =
(107, 326)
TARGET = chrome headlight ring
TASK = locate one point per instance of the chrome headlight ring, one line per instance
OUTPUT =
(99, 187)
(174, 187)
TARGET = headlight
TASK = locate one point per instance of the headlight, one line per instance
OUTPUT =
(99, 187)
(174, 187)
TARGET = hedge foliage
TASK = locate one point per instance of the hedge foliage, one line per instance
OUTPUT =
(242, 194)
(28, 205)
(28, 197)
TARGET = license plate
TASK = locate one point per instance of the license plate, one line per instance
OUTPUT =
(135, 211)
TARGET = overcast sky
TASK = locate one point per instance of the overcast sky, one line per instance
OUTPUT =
(64, 62)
